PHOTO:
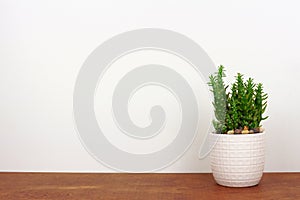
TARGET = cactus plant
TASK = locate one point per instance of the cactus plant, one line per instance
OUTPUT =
(239, 110)
(219, 103)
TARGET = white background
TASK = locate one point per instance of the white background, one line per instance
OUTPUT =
(44, 43)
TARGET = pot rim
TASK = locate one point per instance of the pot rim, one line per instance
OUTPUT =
(234, 135)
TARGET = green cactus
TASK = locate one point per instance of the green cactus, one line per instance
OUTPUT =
(242, 107)
(260, 105)
(219, 103)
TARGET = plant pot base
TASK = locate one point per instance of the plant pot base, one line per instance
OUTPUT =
(238, 184)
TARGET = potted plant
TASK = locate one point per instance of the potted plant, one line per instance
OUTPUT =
(238, 152)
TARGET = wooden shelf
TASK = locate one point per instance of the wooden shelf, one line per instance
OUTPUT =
(141, 186)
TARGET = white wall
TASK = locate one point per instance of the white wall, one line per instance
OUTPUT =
(44, 43)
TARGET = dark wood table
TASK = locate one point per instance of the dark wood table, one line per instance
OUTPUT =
(141, 186)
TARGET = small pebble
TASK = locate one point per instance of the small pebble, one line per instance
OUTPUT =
(230, 132)
(256, 130)
(261, 129)
(237, 131)
(245, 131)
(251, 131)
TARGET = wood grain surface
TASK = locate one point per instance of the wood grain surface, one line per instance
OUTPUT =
(141, 186)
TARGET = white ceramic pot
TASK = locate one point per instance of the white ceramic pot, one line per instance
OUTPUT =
(238, 160)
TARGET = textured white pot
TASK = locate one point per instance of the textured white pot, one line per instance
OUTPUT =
(237, 160)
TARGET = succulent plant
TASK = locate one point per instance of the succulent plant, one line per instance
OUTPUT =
(220, 102)
(240, 110)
